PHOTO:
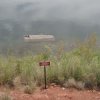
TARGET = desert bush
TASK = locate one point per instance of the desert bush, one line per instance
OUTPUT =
(80, 85)
(72, 83)
(29, 89)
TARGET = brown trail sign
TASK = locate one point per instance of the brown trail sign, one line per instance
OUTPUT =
(44, 63)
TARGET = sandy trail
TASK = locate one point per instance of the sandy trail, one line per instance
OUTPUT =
(56, 93)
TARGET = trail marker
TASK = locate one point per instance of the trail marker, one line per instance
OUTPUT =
(45, 64)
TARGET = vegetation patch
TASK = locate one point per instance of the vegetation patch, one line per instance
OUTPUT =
(78, 67)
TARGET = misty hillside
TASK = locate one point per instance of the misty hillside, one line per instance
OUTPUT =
(14, 31)
(66, 20)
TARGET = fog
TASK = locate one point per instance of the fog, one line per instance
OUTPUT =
(65, 19)
(80, 10)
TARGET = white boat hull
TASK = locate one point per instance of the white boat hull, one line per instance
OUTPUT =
(39, 38)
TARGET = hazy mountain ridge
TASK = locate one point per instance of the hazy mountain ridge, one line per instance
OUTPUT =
(61, 19)
(15, 30)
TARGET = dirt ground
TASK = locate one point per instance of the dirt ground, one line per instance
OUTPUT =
(55, 93)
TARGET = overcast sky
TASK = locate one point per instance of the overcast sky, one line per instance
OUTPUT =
(74, 10)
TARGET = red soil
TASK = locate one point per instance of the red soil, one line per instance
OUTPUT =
(56, 93)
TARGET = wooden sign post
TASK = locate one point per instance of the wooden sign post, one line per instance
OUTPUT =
(45, 64)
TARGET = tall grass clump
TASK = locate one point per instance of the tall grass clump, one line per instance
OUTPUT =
(7, 69)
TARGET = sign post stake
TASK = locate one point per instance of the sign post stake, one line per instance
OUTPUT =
(44, 64)
(45, 81)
